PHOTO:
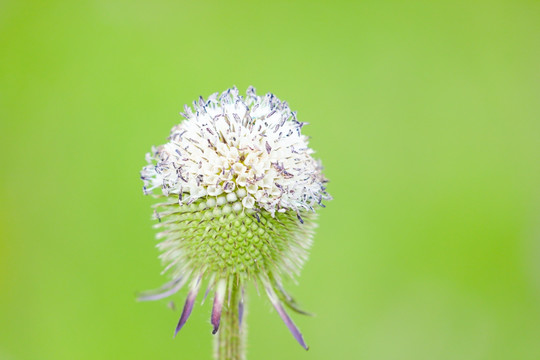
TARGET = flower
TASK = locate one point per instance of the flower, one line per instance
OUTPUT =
(240, 189)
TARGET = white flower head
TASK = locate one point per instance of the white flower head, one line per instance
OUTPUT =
(240, 189)
(249, 150)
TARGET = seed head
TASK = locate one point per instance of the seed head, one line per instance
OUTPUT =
(239, 189)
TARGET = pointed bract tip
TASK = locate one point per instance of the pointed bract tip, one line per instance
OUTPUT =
(218, 306)
(285, 317)
(166, 290)
(188, 307)
(240, 312)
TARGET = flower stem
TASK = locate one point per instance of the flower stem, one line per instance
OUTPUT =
(230, 338)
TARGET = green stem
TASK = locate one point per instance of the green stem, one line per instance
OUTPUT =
(230, 338)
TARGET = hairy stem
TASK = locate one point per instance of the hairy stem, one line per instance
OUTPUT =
(230, 338)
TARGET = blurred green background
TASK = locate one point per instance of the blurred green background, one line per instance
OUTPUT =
(426, 116)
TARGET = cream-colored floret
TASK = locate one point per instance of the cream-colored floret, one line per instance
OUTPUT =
(238, 148)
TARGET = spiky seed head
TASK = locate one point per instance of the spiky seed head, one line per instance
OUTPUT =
(239, 189)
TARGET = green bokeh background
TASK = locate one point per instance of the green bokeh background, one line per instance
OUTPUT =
(427, 118)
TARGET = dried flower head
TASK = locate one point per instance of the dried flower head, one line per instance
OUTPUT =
(240, 188)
